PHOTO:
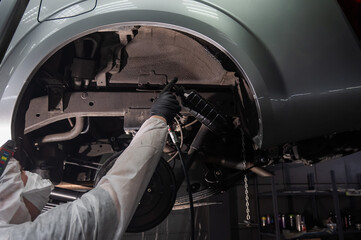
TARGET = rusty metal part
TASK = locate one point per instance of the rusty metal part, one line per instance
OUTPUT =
(86, 104)
(105, 104)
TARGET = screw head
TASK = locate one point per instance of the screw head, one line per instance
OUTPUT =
(84, 95)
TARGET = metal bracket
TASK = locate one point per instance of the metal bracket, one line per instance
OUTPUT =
(55, 98)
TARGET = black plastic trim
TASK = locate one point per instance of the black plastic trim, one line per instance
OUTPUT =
(11, 25)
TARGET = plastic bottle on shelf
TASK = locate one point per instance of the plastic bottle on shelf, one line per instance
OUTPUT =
(292, 222)
(349, 220)
(298, 222)
(283, 222)
(263, 222)
(303, 226)
(331, 221)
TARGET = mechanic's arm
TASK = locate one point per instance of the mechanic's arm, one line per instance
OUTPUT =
(105, 211)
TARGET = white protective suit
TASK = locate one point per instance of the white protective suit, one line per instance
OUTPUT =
(105, 211)
(12, 192)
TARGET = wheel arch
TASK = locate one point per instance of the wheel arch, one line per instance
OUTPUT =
(232, 37)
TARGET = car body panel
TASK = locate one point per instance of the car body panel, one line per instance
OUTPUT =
(51, 10)
(33, 48)
(300, 59)
(318, 58)
(11, 13)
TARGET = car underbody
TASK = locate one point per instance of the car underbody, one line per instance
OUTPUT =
(91, 96)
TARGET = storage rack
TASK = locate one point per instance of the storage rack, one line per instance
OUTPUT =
(334, 193)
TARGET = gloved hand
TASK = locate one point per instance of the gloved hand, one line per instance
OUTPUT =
(165, 106)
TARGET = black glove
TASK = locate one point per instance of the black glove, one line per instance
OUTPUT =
(166, 106)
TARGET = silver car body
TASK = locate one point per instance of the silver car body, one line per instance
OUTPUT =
(300, 59)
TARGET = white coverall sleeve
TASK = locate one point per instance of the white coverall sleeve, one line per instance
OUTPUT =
(12, 206)
(105, 211)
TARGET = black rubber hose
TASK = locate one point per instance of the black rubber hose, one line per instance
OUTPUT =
(189, 190)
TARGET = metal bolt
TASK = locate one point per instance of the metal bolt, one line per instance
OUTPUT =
(218, 173)
(149, 190)
(264, 160)
(84, 95)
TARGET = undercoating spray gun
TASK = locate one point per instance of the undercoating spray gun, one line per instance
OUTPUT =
(198, 107)
(211, 121)
(204, 112)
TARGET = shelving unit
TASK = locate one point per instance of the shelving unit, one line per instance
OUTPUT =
(314, 194)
